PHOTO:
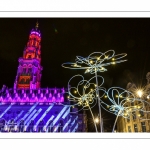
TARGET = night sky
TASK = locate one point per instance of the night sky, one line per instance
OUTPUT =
(65, 38)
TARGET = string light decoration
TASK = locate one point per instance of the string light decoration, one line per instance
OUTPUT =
(84, 94)
(121, 101)
(94, 63)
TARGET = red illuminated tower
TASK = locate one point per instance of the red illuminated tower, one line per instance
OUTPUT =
(29, 69)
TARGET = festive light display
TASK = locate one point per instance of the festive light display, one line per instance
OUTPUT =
(86, 99)
(47, 95)
(121, 103)
(94, 63)
(29, 108)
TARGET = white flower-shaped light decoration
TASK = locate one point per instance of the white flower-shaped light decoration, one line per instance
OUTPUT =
(120, 101)
(95, 62)
(84, 94)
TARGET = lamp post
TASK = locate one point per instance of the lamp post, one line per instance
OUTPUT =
(98, 121)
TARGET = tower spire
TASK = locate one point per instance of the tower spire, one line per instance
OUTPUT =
(29, 70)
(37, 24)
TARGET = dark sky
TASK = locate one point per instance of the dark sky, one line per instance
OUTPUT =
(77, 36)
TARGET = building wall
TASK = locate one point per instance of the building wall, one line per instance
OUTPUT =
(129, 125)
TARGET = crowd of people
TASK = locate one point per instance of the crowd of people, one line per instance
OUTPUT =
(12, 126)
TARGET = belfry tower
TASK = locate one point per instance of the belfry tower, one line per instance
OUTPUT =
(29, 69)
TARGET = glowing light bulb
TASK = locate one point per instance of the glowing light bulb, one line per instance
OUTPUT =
(113, 59)
(87, 71)
(75, 91)
(96, 120)
(98, 58)
(105, 96)
(113, 63)
(91, 61)
(140, 93)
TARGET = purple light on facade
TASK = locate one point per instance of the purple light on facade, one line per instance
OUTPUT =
(50, 95)
(33, 32)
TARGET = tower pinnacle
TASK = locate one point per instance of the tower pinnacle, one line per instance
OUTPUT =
(37, 24)
(29, 70)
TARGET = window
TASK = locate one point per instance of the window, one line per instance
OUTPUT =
(29, 70)
(129, 128)
(128, 119)
(135, 128)
(24, 71)
(141, 113)
(134, 115)
(143, 126)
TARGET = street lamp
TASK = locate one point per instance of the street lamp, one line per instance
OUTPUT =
(140, 93)
(96, 120)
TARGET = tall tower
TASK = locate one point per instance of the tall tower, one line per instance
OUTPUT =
(29, 69)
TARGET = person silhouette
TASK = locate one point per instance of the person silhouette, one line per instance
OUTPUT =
(60, 126)
(41, 125)
(31, 125)
(2, 125)
(12, 125)
(49, 126)
(21, 126)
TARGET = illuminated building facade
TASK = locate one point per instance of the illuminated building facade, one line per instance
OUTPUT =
(29, 70)
(138, 121)
(29, 108)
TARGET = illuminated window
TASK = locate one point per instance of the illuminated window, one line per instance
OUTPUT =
(143, 126)
(29, 56)
(135, 128)
(129, 128)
